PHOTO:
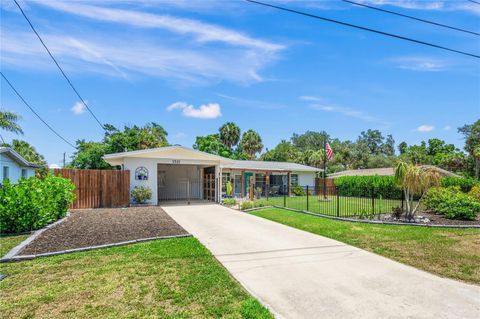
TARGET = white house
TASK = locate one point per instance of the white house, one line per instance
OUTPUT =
(180, 173)
(13, 166)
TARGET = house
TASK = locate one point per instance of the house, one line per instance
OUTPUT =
(384, 171)
(13, 166)
(181, 173)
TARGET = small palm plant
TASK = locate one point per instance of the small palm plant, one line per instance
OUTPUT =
(414, 180)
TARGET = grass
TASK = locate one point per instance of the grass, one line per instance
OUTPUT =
(453, 253)
(8, 242)
(173, 278)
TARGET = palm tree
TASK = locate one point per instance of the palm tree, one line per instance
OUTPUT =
(415, 180)
(251, 143)
(229, 134)
(8, 122)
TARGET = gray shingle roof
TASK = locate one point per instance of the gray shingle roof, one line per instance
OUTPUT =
(276, 166)
(385, 171)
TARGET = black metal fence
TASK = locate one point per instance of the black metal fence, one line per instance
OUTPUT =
(329, 201)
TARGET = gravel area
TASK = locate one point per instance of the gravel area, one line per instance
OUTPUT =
(91, 227)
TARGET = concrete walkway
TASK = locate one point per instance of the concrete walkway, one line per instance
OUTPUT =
(301, 275)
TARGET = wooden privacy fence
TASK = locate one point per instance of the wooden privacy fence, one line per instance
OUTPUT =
(98, 188)
(330, 183)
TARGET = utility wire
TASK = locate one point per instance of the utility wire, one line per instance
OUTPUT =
(365, 29)
(58, 65)
(34, 112)
(474, 1)
(410, 17)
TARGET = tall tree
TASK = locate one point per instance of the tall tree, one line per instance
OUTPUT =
(89, 156)
(402, 148)
(471, 132)
(309, 140)
(388, 148)
(27, 151)
(212, 144)
(283, 152)
(251, 143)
(373, 140)
(8, 122)
(229, 134)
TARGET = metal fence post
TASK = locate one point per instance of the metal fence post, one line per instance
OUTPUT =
(338, 203)
(307, 198)
(373, 201)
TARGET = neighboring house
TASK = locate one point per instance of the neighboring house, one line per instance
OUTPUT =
(179, 173)
(384, 171)
(13, 166)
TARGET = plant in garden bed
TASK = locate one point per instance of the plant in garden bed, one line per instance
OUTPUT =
(298, 191)
(33, 203)
(141, 194)
(229, 201)
(452, 203)
(415, 181)
(465, 184)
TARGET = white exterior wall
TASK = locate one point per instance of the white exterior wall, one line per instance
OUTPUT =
(132, 164)
(306, 178)
(15, 170)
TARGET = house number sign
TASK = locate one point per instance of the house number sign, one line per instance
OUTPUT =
(175, 161)
(141, 173)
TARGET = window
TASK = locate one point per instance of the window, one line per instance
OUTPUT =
(294, 179)
(24, 173)
(5, 172)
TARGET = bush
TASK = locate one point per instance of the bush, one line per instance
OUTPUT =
(247, 205)
(475, 192)
(141, 194)
(452, 203)
(298, 191)
(33, 203)
(361, 186)
(229, 201)
(465, 184)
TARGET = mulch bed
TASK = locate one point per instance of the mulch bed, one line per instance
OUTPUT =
(92, 227)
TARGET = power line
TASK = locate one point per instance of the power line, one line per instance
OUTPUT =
(58, 65)
(366, 29)
(410, 17)
(474, 1)
(34, 112)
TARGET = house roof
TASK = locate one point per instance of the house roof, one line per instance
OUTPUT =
(17, 157)
(168, 152)
(271, 166)
(384, 171)
(185, 153)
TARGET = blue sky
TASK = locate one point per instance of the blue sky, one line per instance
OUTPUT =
(193, 65)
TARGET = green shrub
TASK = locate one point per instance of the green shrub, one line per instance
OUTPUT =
(141, 194)
(362, 186)
(33, 203)
(229, 188)
(261, 203)
(465, 184)
(229, 201)
(475, 192)
(298, 191)
(452, 203)
(247, 205)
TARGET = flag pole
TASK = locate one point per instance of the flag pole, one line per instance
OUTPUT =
(325, 165)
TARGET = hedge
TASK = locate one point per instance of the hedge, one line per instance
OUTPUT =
(452, 203)
(465, 184)
(362, 186)
(33, 203)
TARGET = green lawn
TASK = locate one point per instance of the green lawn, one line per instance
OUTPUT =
(453, 253)
(8, 242)
(173, 278)
(346, 206)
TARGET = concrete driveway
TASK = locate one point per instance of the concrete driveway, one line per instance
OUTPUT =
(301, 275)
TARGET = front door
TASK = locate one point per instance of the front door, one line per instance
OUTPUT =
(246, 184)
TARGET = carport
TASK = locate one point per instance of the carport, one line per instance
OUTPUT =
(173, 173)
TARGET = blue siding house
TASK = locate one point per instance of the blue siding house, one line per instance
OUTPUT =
(13, 166)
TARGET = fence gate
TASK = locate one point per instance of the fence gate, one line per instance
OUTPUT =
(209, 187)
(97, 188)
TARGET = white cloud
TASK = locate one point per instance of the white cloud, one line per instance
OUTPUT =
(202, 32)
(420, 64)
(447, 128)
(450, 5)
(425, 128)
(52, 166)
(79, 108)
(310, 98)
(204, 111)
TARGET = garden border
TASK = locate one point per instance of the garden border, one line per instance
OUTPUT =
(15, 257)
(362, 221)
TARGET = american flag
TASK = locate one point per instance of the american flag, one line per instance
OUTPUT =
(329, 152)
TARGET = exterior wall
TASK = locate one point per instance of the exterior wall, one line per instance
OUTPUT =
(15, 170)
(306, 178)
(132, 164)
